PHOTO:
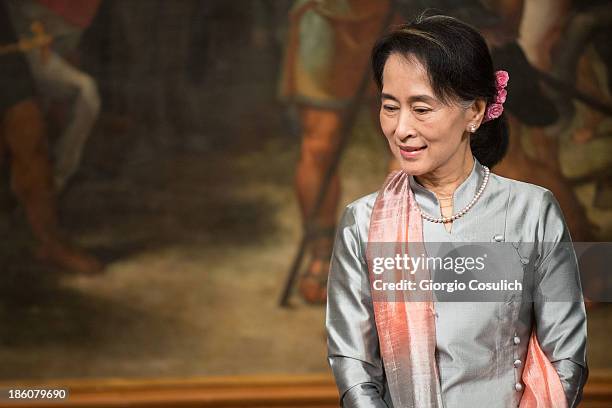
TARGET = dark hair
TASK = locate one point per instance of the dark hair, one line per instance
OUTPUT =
(459, 66)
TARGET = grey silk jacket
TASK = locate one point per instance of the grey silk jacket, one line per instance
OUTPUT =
(480, 347)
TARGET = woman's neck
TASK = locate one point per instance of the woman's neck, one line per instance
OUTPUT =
(444, 181)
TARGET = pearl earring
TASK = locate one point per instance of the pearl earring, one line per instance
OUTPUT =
(472, 128)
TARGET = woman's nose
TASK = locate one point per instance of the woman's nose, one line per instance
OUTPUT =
(405, 127)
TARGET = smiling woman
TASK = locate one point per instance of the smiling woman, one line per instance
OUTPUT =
(410, 119)
(421, 83)
(442, 114)
(434, 108)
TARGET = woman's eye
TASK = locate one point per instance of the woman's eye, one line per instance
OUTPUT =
(421, 110)
(390, 108)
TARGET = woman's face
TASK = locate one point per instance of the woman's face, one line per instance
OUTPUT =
(424, 134)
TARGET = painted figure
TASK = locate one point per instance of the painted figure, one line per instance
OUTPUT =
(23, 143)
(325, 58)
(58, 79)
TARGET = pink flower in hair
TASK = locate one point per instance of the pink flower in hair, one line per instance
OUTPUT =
(493, 111)
(501, 79)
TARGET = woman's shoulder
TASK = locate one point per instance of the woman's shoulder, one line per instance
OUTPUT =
(533, 204)
(527, 198)
(363, 202)
(362, 207)
(358, 211)
(520, 188)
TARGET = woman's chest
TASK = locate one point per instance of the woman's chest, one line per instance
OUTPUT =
(484, 269)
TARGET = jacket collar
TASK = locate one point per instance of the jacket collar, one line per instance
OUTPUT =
(463, 194)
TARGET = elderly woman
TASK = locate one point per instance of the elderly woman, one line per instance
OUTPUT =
(442, 114)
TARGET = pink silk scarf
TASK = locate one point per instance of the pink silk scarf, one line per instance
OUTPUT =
(406, 328)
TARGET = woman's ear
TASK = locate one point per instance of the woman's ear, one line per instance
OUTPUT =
(476, 111)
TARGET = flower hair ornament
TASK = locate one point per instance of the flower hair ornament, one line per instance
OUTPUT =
(495, 109)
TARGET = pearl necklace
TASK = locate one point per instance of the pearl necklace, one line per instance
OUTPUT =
(465, 209)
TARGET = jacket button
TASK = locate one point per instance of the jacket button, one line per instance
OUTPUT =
(518, 387)
(517, 340)
(517, 363)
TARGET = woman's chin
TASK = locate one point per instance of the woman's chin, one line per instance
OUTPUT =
(415, 167)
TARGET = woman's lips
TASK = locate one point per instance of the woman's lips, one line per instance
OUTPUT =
(410, 152)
